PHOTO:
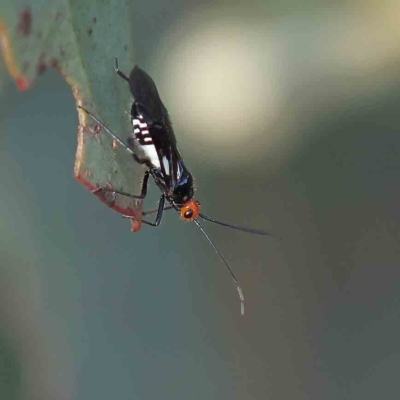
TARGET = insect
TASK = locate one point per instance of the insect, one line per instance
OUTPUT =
(153, 144)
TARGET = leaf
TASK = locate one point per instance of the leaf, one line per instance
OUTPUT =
(10, 368)
(80, 40)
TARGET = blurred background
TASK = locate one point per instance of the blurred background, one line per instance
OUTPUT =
(287, 113)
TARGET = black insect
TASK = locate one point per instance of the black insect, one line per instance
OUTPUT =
(153, 144)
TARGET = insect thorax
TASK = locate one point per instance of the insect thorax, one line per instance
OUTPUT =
(152, 143)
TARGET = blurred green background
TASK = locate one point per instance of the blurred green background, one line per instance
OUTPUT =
(287, 113)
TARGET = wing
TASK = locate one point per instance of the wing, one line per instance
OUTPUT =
(152, 142)
(158, 126)
(145, 92)
(167, 153)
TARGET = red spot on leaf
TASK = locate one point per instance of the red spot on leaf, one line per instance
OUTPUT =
(25, 22)
(54, 63)
(96, 129)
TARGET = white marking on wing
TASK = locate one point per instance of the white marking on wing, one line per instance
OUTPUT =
(179, 172)
(151, 154)
(139, 122)
(166, 165)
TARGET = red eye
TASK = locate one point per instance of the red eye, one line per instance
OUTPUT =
(190, 210)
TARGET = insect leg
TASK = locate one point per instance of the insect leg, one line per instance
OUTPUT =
(156, 210)
(160, 212)
(117, 70)
(144, 184)
(142, 195)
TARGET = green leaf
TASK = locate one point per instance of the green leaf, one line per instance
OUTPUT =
(80, 40)
(11, 369)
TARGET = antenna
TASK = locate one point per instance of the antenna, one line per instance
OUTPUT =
(239, 228)
(107, 129)
(239, 289)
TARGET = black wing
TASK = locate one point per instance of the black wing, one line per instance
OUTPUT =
(145, 92)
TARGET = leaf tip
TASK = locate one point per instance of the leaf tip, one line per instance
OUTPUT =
(135, 225)
(22, 84)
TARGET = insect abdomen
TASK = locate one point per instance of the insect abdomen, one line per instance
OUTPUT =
(141, 138)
